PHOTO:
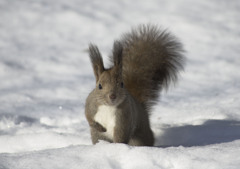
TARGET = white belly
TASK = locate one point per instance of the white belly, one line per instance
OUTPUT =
(106, 116)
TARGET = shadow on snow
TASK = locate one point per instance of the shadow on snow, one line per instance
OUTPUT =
(210, 132)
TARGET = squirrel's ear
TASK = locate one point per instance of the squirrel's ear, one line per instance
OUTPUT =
(117, 54)
(97, 61)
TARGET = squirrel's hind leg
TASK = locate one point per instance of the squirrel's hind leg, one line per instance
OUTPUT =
(135, 142)
(143, 140)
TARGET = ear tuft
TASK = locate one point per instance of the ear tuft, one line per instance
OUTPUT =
(117, 53)
(97, 61)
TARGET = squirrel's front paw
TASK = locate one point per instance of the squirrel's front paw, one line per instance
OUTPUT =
(98, 127)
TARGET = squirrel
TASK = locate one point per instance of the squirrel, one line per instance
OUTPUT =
(144, 61)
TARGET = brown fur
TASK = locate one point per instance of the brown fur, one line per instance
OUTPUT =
(151, 61)
(144, 61)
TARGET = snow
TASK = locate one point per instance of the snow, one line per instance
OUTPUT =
(119, 156)
(45, 77)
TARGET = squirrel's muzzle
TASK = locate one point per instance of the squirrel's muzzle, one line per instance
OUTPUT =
(112, 96)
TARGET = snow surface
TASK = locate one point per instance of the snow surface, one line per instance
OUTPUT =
(45, 76)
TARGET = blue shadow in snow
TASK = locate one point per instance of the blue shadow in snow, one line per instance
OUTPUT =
(210, 132)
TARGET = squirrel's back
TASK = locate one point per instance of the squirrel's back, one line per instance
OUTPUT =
(152, 59)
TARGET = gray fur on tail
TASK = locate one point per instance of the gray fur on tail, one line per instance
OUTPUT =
(152, 59)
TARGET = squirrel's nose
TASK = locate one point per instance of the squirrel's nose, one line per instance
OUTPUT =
(112, 96)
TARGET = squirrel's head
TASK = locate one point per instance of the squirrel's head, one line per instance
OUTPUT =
(109, 82)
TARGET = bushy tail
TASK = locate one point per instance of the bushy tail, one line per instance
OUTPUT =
(152, 59)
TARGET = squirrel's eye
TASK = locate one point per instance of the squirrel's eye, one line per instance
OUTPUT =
(121, 84)
(100, 86)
